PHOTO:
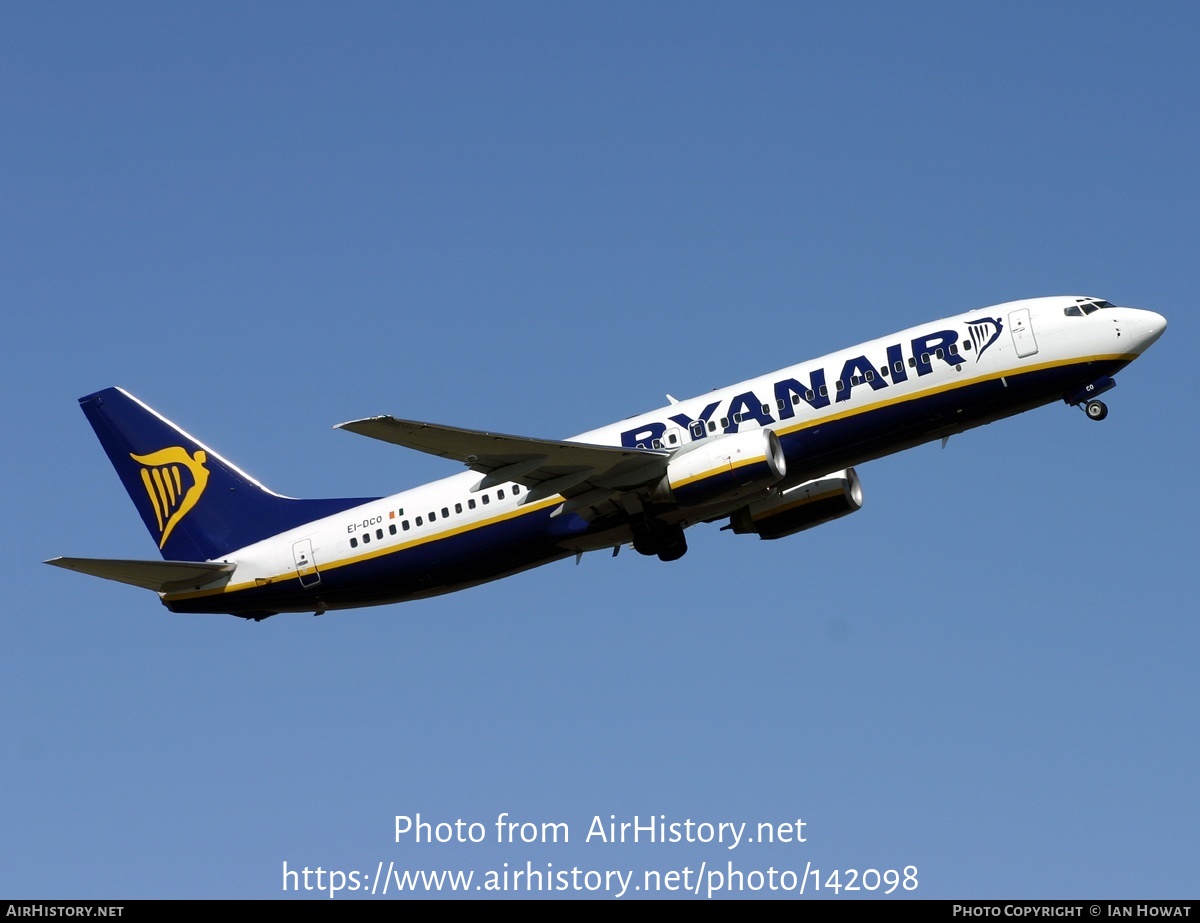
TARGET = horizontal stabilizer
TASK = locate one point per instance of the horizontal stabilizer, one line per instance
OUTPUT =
(160, 576)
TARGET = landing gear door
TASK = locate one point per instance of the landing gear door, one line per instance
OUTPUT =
(1022, 333)
(306, 564)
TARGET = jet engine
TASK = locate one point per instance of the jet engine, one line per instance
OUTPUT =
(801, 507)
(723, 468)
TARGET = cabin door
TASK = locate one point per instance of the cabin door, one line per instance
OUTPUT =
(306, 564)
(1022, 333)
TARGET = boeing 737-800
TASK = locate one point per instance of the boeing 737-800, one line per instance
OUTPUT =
(773, 455)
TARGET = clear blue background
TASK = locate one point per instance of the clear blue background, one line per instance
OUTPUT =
(264, 219)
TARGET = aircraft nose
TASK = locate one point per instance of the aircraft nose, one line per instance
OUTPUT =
(1148, 326)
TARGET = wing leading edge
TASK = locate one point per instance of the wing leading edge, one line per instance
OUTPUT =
(586, 475)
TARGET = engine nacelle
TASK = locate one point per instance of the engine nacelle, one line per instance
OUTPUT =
(801, 507)
(723, 468)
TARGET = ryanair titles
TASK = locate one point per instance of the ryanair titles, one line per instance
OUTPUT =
(857, 371)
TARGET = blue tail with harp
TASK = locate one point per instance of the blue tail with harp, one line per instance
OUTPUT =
(196, 505)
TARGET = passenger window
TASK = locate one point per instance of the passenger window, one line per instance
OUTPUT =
(353, 543)
(697, 429)
(470, 503)
(404, 525)
(392, 529)
(883, 370)
(809, 396)
(796, 398)
(912, 362)
(824, 390)
(766, 408)
(445, 512)
(500, 494)
(366, 538)
(379, 534)
(941, 353)
(898, 366)
(516, 489)
(420, 522)
(458, 507)
(712, 426)
(671, 439)
(486, 500)
(870, 376)
(724, 422)
(433, 517)
(780, 403)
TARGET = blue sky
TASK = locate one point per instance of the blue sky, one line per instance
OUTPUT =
(265, 219)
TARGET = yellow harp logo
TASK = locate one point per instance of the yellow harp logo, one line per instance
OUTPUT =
(174, 482)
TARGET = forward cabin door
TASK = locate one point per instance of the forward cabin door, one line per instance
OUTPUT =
(1021, 329)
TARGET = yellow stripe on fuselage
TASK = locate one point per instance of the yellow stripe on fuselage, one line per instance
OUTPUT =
(369, 555)
(958, 382)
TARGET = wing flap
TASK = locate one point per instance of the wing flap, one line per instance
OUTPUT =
(160, 576)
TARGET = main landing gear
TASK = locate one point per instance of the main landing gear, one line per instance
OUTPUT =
(653, 536)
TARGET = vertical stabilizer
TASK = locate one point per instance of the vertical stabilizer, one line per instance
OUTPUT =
(196, 505)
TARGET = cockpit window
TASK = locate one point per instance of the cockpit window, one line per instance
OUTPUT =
(1086, 306)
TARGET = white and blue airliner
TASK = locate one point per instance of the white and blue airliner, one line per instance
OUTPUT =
(772, 456)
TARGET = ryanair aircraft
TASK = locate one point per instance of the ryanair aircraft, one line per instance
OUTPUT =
(773, 456)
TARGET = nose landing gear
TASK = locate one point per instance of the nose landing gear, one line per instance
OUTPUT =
(1095, 410)
(1086, 398)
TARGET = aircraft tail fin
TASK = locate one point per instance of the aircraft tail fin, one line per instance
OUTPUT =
(196, 505)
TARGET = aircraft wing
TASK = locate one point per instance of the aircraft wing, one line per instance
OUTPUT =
(160, 576)
(588, 474)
